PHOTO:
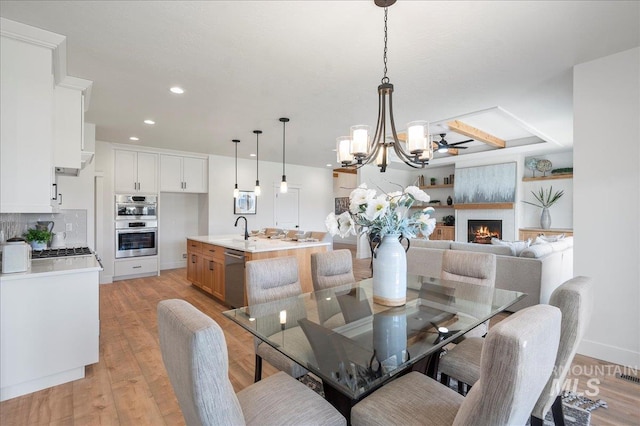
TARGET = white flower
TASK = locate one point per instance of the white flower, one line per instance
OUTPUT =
(383, 214)
(360, 196)
(346, 225)
(376, 208)
(331, 222)
(417, 193)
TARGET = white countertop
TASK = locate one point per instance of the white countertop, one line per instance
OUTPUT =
(256, 245)
(56, 266)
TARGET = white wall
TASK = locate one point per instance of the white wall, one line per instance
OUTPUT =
(177, 217)
(104, 163)
(607, 202)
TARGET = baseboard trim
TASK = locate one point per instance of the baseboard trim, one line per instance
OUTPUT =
(173, 265)
(610, 353)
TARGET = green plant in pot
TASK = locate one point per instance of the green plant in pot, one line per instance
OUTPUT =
(545, 200)
(38, 238)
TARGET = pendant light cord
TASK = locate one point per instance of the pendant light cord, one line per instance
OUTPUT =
(284, 126)
(236, 163)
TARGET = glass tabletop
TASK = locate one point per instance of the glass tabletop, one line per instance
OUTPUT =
(354, 344)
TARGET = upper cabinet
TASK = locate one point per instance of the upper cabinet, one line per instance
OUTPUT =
(35, 113)
(136, 172)
(183, 174)
(26, 127)
(68, 124)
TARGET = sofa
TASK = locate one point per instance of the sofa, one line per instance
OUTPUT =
(536, 270)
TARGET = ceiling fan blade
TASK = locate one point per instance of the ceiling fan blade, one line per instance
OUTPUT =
(460, 143)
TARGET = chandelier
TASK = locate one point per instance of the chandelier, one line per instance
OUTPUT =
(359, 148)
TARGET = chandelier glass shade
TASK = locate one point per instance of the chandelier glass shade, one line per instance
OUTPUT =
(257, 189)
(236, 191)
(414, 147)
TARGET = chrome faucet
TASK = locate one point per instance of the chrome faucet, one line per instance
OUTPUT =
(246, 234)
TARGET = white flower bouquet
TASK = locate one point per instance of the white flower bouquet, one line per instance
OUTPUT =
(383, 214)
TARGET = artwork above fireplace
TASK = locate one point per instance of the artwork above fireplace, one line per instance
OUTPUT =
(482, 230)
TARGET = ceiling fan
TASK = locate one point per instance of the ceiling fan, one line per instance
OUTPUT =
(450, 148)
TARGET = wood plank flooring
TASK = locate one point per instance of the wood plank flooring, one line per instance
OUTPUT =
(129, 386)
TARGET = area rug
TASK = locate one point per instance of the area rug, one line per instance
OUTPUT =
(576, 408)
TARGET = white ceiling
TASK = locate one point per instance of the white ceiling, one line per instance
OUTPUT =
(244, 64)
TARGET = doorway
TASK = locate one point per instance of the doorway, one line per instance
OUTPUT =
(286, 208)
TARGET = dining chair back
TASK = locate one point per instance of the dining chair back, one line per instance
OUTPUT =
(474, 268)
(329, 270)
(271, 280)
(194, 352)
(516, 362)
(469, 267)
(574, 298)
(517, 359)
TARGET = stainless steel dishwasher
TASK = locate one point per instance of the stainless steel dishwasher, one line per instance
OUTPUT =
(234, 278)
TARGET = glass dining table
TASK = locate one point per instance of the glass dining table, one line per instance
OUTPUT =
(355, 345)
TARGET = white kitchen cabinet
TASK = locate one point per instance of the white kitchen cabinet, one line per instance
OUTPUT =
(49, 329)
(67, 126)
(183, 174)
(26, 127)
(136, 172)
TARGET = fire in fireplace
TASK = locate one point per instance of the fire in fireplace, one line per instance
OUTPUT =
(481, 231)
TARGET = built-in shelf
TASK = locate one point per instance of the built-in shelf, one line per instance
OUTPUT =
(565, 176)
(448, 185)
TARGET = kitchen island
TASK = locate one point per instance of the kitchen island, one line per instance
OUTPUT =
(215, 264)
(49, 324)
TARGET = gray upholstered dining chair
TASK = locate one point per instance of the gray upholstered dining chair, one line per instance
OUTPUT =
(329, 270)
(575, 300)
(517, 359)
(194, 352)
(269, 280)
(474, 268)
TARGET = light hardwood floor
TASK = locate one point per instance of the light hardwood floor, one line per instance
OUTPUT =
(129, 386)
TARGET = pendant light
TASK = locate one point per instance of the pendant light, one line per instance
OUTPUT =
(283, 184)
(415, 149)
(236, 191)
(257, 189)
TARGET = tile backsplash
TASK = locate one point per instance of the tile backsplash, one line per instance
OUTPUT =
(15, 224)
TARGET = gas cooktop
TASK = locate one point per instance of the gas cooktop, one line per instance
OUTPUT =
(61, 252)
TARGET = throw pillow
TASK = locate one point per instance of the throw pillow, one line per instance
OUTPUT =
(544, 239)
(516, 246)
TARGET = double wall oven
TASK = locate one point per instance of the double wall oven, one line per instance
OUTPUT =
(136, 225)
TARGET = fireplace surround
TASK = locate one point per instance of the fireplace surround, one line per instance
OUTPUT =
(482, 230)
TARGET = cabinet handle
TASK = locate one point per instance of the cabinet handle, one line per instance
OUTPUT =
(137, 267)
(212, 250)
(211, 265)
(60, 200)
(193, 258)
(185, 185)
(55, 192)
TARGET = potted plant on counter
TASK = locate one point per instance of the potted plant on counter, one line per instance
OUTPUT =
(38, 238)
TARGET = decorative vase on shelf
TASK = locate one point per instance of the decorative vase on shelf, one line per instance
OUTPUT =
(449, 200)
(545, 219)
(390, 272)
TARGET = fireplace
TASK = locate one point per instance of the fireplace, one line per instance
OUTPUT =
(481, 231)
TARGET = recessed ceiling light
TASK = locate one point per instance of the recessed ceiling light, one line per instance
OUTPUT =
(252, 155)
(149, 122)
(177, 90)
(329, 165)
(133, 138)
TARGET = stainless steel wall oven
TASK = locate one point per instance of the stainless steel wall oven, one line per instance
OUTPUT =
(136, 238)
(136, 207)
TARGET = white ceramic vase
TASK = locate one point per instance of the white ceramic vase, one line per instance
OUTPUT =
(390, 272)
